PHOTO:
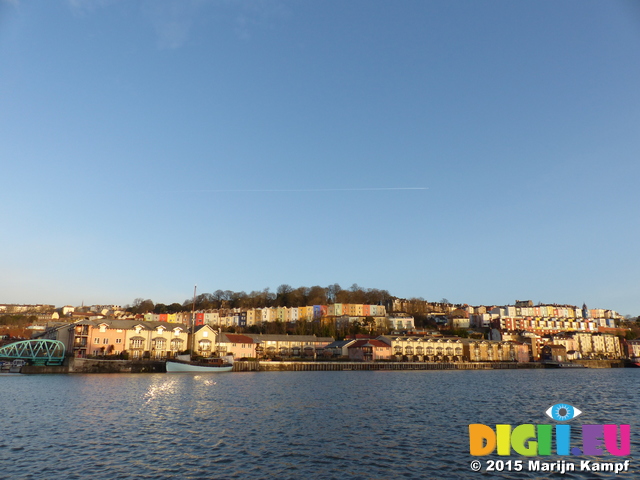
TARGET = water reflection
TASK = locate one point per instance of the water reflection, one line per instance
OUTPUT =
(286, 424)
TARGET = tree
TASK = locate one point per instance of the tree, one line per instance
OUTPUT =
(174, 308)
(160, 308)
(142, 306)
(357, 294)
(282, 295)
(317, 296)
(332, 293)
(369, 322)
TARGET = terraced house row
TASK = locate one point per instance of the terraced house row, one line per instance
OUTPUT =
(247, 317)
(160, 340)
(546, 319)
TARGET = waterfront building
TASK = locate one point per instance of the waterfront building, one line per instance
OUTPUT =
(288, 345)
(240, 346)
(607, 346)
(369, 350)
(426, 348)
(155, 340)
(106, 339)
(554, 353)
(497, 351)
(204, 341)
(584, 344)
(139, 339)
(565, 340)
(633, 349)
(339, 348)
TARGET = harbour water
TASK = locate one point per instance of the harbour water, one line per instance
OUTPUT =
(293, 425)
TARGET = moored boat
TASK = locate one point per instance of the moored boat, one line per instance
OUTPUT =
(207, 365)
(570, 365)
(184, 363)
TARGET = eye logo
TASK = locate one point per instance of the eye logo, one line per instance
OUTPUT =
(562, 412)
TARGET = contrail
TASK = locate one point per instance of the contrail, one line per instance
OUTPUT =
(312, 190)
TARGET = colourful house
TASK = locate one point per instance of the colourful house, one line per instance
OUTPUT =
(240, 346)
(369, 351)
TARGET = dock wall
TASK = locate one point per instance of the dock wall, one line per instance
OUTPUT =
(342, 366)
(83, 365)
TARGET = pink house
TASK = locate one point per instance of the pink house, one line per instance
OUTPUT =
(240, 346)
(369, 351)
(104, 339)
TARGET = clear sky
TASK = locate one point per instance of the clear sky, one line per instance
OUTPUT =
(482, 151)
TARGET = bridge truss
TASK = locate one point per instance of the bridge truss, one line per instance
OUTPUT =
(37, 352)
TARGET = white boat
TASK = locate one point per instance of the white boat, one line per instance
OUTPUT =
(183, 363)
(208, 365)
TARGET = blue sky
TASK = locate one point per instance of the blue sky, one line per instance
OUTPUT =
(482, 151)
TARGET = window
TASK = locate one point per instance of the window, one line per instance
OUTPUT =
(105, 341)
(96, 340)
(118, 340)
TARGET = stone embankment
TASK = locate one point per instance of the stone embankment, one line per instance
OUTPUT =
(84, 365)
(600, 363)
(91, 365)
(346, 366)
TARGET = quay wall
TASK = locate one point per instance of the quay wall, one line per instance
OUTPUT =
(84, 365)
(601, 363)
(92, 365)
(342, 366)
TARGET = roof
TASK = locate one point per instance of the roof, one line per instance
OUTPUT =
(200, 327)
(369, 343)
(235, 338)
(260, 337)
(340, 343)
(129, 324)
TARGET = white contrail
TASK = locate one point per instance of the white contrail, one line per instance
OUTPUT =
(313, 189)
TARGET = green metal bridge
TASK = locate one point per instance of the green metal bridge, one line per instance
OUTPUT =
(36, 352)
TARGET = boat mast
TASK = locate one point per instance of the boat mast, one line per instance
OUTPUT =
(193, 321)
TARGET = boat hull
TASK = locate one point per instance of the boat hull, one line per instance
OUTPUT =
(180, 367)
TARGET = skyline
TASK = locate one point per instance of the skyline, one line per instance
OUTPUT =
(476, 151)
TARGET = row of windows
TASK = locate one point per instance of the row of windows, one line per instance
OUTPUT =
(105, 341)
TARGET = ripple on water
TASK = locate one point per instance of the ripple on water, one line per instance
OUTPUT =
(369, 425)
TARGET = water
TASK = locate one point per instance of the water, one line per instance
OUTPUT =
(290, 425)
